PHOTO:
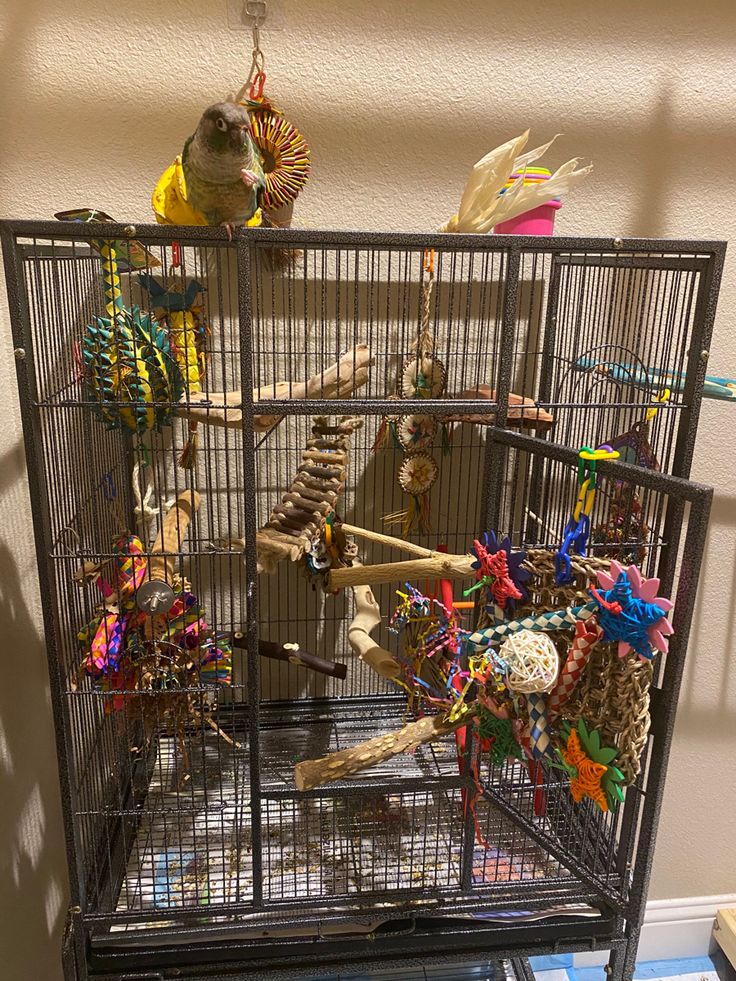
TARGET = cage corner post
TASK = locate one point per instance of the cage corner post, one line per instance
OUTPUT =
(622, 959)
(664, 716)
(494, 455)
(36, 473)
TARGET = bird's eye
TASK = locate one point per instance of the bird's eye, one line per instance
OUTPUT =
(221, 124)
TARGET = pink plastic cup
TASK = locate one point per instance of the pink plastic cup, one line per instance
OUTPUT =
(538, 221)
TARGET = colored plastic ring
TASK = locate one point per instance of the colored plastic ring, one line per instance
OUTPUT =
(602, 453)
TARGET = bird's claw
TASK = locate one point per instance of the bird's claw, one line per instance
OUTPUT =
(248, 177)
(229, 228)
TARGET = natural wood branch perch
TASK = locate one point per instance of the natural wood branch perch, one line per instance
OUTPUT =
(438, 565)
(173, 529)
(336, 766)
(366, 619)
(273, 545)
(522, 411)
(388, 540)
(337, 381)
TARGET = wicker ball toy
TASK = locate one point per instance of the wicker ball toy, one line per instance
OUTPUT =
(531, 661)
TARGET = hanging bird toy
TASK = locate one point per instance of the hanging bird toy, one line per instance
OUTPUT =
(422, 377)
(625, 528)
(516, 685)
(130, 373)
(178, 306)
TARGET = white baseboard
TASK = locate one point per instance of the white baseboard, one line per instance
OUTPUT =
(673, 928)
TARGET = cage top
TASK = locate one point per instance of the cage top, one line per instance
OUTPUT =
(332, 238)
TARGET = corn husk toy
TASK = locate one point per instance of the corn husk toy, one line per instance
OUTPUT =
(130, 373)
(487, 201)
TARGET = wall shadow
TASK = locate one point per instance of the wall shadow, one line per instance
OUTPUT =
(33, 875)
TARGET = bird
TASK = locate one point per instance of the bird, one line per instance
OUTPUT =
(222, 167)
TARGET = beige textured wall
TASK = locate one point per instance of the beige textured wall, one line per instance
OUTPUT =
(398, 100)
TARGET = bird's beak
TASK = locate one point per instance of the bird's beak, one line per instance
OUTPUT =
(239, 137)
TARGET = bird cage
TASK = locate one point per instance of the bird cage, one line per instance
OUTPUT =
(207, 653)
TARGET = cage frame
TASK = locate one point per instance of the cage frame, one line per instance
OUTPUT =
(618, 931)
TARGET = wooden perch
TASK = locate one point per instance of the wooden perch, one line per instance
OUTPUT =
(388, 540)
(366, 619)
(336, 766)
(293, 654)
(522, 411)
(438, 565)
(173, 529)
(338, 381)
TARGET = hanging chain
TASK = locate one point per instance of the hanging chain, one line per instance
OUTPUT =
(257, 10)
(252, 90)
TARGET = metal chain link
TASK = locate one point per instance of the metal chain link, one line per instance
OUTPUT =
(256, 9)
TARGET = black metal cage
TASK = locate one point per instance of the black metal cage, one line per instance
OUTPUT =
(190, 848)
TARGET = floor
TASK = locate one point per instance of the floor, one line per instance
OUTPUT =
(560, 968)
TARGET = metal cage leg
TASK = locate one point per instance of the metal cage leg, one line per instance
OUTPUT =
(622, 962)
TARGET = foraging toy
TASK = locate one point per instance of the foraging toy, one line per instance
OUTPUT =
(130, 374)
(530, 661)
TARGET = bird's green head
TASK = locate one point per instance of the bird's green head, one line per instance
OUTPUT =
(225, 127)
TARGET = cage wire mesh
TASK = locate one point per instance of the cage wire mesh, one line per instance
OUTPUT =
(182, 799)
